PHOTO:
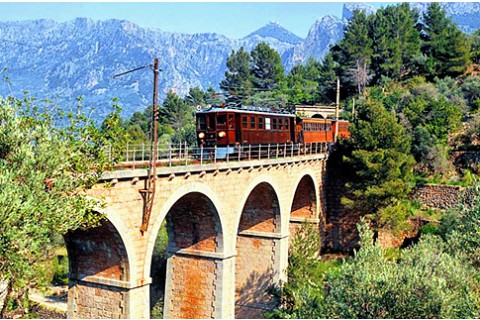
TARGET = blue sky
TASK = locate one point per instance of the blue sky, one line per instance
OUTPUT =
(232, 19)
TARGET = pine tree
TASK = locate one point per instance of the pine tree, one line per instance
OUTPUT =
(266, 67)
(396, 41)
(179, 115)
(475, 47)
(354, 52)
(446, 48)
(237, 82)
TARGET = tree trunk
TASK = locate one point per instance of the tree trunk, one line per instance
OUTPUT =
(4, 286)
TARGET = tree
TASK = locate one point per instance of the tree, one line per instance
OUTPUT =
(327, 80)
(44, 171)
(447, 49)
(179, 116)
(237, 82)
(379, 157)
(354, 52)
(427, 282)
(266, 67)
(475, 47)
(396, 41)
(196, 96)
(300, 89)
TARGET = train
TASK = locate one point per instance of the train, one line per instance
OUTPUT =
(226, 127)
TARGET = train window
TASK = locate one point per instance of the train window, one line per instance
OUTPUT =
(286, 123)
(211, 121)
(201, 123)
(252, 122)
(260, 122)
(245, 122)
(274, 123)
(231, 121)
(280, 124)
(267, 124)
(221, 119)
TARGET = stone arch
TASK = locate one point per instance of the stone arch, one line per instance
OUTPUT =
(169, 203)
(305, 200)
(193, 223)
(262, 179)
(195, 253)
(98, 252)
(257, 264)
(99, 265)
(305, 206)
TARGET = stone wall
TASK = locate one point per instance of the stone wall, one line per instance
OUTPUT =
(437, 196)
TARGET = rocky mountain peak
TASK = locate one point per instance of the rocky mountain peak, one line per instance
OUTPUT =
(350, 7)
(274, 30)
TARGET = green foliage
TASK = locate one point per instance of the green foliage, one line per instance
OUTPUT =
(43, 170)
(113, 132)
(475, 47)
(266, 67)
(424, 282)
(60, 270)
(313, 82)
(447, 49)
(397, 41)
(301, 296)
(463, 237)
(471, 91)
(237, 82)
(379, 158)
(393, 218)
(180, 116)
(355, 51)
(158, 272)
(427, 282)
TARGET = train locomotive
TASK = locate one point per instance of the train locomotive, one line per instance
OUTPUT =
(228, 127)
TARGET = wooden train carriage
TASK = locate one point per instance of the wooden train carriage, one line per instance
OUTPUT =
(311, 130)
(342, 128)
(224, 126)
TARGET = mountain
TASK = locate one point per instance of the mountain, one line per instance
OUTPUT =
(276, 31)
(62, 61)
(465, 14)
(350, 7)
(325, 32)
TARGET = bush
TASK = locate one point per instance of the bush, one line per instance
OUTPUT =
(301, 296)
(426, 282)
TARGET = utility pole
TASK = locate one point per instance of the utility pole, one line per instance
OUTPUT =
(337, 107)
(353, 110)
(148, 193)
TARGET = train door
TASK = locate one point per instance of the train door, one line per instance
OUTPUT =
(292, 129)
(231, 132)
(238, 128)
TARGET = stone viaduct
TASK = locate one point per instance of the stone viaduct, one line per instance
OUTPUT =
(228, 226)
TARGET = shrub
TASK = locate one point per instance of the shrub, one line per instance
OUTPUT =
(426, 282)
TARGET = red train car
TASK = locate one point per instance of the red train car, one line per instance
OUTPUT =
(228, 126)
(342, 128)
(223, 127)
(311, 130)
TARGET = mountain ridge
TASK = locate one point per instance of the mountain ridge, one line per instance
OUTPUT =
(63, 60)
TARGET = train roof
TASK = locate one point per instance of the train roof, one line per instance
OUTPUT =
(248, 110)
(321, 119)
